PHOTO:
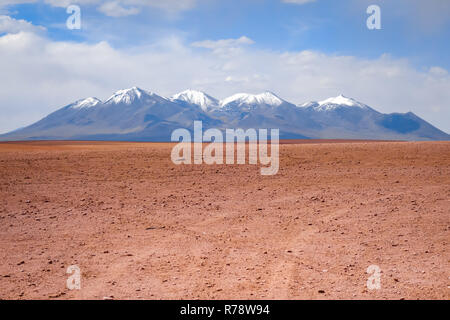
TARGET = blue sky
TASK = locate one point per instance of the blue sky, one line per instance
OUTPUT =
(410, 50)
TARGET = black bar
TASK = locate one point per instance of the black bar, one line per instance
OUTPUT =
(223, 309)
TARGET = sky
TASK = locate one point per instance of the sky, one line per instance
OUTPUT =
(302, 50)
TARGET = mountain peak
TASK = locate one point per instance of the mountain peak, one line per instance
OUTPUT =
(198, 98)
(266, 97)
(270, 98)
(127, 96)
(341, 100)
(85, 103)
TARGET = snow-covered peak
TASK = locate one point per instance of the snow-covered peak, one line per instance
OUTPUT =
(127, 96)
(85, 103)
(309, 104)
(267, 97)
(198, 98)
(341, 100)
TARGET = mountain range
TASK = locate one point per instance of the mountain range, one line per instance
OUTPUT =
(138, 115)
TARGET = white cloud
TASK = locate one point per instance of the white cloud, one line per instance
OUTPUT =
(115, 9)
(11, 25)
(167, 5)
(40, 75)
(437, 71)
(223, 43)
(224, 47)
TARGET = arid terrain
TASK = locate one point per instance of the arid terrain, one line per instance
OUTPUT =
(140, 227)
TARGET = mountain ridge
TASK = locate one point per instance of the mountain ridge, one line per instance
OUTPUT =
(140, 115)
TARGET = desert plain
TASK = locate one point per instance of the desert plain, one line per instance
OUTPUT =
(140, 227)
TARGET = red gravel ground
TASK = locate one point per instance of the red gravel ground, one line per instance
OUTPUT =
(140, 227)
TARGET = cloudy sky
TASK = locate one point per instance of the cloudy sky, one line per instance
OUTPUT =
(300, 49)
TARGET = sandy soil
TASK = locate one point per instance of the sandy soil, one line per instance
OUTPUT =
(140, 227)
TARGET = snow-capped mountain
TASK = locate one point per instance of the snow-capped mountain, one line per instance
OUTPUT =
(86, 103)
(245, 99)
(132, 95)
(198, 98)
(127, 96)
(138, 115)
(339, 102)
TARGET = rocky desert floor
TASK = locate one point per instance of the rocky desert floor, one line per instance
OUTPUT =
(140, 227)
